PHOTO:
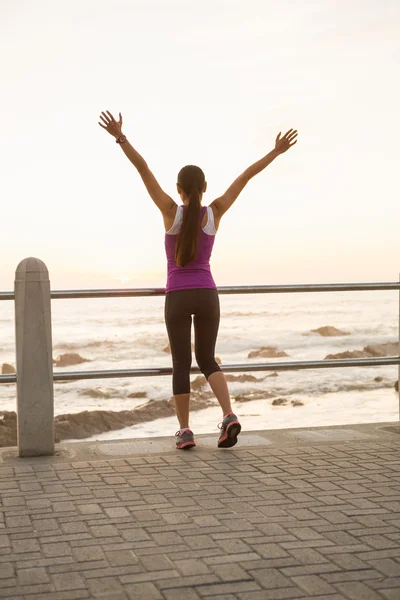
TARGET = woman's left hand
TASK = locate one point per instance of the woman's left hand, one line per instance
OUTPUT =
(110, 124)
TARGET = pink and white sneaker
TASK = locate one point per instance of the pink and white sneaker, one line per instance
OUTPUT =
(184, 440)
(230, 429)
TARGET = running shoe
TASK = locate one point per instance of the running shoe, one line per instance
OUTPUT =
(230, 429)
(184, 440)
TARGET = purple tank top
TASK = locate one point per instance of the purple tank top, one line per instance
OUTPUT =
(197, 273)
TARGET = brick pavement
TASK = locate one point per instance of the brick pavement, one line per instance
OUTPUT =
(318, 520)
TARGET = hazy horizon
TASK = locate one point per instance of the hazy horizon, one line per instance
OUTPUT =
(209, 91)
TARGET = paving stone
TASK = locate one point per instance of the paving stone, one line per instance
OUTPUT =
(277, 594)
(88, 553)
(270, 578)
(144, 591)
(102, 587)
(57, 549)
(156, 563)
(186, 593)
(25, 545)
(6, 570)
(32, 576)
(227, 588)
(121, 557)
(45, 524)
(387, 566)
(313, 584)
(230, 572)
(64, 581)
(358, 590)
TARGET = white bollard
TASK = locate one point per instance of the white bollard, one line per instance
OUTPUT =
(35, 397)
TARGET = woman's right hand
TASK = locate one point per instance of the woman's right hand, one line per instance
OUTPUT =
(283, 144)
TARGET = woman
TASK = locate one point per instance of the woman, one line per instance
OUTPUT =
(189, 237)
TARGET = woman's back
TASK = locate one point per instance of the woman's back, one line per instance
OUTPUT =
(197, 273)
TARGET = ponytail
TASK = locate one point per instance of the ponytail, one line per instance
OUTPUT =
(186, 244)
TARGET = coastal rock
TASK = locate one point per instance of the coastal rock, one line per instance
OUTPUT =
(87, 423)
(297, 403)
(243, 378)
(279, 402)
(256, 395)
(138, 395)
(347, 354)
(7, 369)
(198, 383)
(396, 386)
(267, 352)
(371, 351)
(329, 331)
(388, 349)
(95, 393)
(69, 359)
(8, 428)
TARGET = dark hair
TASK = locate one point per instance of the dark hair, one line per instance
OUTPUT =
(191, 179)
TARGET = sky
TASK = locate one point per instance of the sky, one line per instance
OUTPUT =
(210, 83)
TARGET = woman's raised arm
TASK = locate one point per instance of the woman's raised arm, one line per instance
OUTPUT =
(164, 202)
(224, 202)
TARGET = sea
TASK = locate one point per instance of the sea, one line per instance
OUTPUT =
(126, 333)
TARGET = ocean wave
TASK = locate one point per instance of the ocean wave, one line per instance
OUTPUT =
(83, 344)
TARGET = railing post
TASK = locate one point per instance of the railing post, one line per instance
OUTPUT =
(35, 398)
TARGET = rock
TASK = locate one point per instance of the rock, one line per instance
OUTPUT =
(267, 352)
(329, 331)
(198, 383)
(347, 354)
(378, 379)
(8, 428)
(396, 386)
(371, 351)
(274, 374)
(138, 395)
(256, 395)
(243, 378)
(389, 349)
(69, 359)
(95, 393)
(7, 369)
(87, 423)
(297, 403)
(279, 401)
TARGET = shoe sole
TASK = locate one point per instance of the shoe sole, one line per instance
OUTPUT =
(230, 437)
(186, 446)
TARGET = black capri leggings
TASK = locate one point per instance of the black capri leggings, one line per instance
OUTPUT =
(180, 305)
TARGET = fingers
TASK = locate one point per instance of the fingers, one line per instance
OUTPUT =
(110, 115)
(104, 118)
(292, 144)
(278, 136)
(103, 126)
(291, 134)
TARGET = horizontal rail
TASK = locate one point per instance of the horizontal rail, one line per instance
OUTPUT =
(240, 289)
(162, 371)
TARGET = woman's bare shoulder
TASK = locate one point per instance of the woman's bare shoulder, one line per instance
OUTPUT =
(169, 217)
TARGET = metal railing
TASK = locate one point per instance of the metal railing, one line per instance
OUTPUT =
(32, 287)
(234, 368)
